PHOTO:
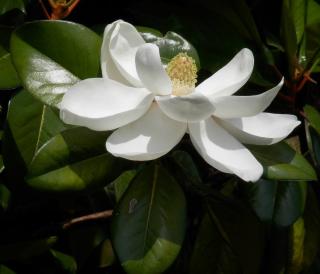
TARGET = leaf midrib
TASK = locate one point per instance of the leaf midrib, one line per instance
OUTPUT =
(154, 182)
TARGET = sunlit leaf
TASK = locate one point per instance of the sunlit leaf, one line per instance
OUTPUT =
(51, 56)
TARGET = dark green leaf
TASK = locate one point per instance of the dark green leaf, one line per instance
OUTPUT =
(313, 117)
(281, 162)
(4, 197)
(314, 145)
(289, 37)
(24, 250)
(122, 183)
(84, 239)
(279, 202)
(148, 226)
(9, 78)
(170, 45)
(64, 261)
(6, 270)
(7, 5)
(230, 239)
(75, 159)
(30, 124)
(298, 11)
(51, 56)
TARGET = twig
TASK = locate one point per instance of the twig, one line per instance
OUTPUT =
(94, 216)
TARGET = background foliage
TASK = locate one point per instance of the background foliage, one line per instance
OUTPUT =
(190, 218)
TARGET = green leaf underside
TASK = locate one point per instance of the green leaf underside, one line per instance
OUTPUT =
(9, 78)
(31, 124)
(73, 160)
(149, 224)
(279, 202)
(281, 162)
(51, 56)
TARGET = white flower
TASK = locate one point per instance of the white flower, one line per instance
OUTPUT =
(152, 107)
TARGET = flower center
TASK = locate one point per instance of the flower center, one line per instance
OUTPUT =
(182, 71)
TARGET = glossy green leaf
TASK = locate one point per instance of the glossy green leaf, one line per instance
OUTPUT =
(229, 239)
(6, 270)
(7, 5)
(170, 45)
(9, 78)
(64, 261)
(298, 10)
(149, 223)
(30, 124)
(313, 35)
(281, 162)
(51, 56)
(313, 117)
(5, 196)
(22, 251)
(74, 160)
(279, 202)
(289, 37)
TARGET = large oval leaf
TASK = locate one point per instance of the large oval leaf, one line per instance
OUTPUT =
(148, 226)
(281, 162)
(7, 5)
(75, 159)
(29, 125)
(279, 202)
(51, 56)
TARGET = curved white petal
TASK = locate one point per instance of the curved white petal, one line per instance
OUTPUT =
(241, 106)
(231, 77)
(103, 104)
(123, 44)
(108, 67)
(262, 129)
(189, 108)
(223, 151)
(148, 138)
(151, 71)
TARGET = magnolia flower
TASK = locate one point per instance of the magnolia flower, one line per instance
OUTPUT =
(151, 106)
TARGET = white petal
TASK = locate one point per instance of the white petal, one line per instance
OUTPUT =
(103, 104)
(108, 67)
(262, 129)
(148, 138)
(240, 106)
(151, 71)
(231, 77)
(190, 108)
(223, 151)
(124, 43)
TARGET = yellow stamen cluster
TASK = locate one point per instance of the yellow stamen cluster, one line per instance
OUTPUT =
(182, 71)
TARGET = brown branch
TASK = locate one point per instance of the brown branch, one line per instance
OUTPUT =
(94, 216)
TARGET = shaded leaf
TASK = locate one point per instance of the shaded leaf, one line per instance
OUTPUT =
(279, 202)
(64, 261)
(7, 5)
(5, 196)
(148, 226)
(76, 159)
(313, 117)
(50, 56)
(281, 162)
(24, 250)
